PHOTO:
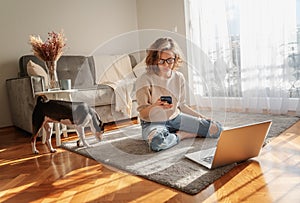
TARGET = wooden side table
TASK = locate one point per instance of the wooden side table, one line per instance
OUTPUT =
(65, 95)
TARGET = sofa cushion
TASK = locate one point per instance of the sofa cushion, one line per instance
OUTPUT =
(23, 61)
(34, 69)
(140, 68)
(80, 69)
(100, 96)
(112, 68)
(77, 68)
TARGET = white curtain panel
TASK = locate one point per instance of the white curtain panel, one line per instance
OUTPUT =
(240, 51)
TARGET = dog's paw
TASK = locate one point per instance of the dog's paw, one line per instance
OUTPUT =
(98, 136)
(82, 144)
(79, 143)
(53, 150)
(36, 152)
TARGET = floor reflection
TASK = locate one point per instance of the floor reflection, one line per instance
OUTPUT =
(246, 180)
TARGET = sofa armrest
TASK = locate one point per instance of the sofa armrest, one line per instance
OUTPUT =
(22, 99)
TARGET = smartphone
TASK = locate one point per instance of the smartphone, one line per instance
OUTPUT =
(166, 99)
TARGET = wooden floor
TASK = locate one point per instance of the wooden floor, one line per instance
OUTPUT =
(69, 177)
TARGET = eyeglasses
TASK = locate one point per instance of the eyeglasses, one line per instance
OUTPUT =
(168, 60)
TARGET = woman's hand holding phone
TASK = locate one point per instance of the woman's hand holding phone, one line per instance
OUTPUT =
(166, 102)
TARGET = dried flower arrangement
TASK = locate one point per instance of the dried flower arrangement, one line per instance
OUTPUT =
(49, 52)
(51, 49)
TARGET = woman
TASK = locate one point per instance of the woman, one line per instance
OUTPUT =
(164, 124)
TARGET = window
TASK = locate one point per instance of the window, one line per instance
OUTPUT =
(245, 49)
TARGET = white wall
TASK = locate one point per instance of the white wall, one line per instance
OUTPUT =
(162, 18)
(165, 18)
(161, 14)
(86, 23)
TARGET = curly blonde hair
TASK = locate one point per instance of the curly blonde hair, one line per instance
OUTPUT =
(155, 50)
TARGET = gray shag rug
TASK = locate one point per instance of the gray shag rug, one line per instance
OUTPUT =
(125, 150)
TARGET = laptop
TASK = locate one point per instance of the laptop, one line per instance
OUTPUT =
(234, 145)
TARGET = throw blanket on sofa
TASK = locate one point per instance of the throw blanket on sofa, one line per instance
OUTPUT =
(116, 72)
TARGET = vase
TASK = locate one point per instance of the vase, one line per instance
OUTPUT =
(53, 83)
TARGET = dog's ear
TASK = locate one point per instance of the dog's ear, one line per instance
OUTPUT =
(42, 98)
(45, 99)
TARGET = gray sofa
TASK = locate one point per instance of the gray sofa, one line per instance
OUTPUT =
(81, 71)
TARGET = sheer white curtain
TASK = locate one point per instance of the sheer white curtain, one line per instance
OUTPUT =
(267, 28)
(209, 50)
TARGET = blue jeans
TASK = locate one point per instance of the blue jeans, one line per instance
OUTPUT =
(164, 133)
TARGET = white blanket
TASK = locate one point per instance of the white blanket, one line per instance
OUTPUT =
(116, 71)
